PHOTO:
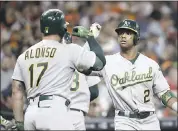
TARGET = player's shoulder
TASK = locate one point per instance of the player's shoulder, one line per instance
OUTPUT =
(112, 56)
(74, 47)
(148, 60)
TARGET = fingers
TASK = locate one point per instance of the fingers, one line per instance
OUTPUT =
(75, 34)
(75, 29)
(95, 28)
(81, 31)
(95, 25)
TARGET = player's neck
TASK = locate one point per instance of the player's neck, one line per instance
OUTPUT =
(129, 54)
(52, 37)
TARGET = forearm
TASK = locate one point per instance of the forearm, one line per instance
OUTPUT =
(172, 103)
(17, 100)
(169, 100)
(18, 104)
(94, 92)
(96, 48)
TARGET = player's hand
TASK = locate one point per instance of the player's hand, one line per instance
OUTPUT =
(95, 28)
(19, 125)
(81, 32)
(8, 125)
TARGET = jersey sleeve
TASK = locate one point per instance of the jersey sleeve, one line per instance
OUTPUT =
(17, 74)
(92, 80)
(159, 82)
(86, 46)
(82, 58)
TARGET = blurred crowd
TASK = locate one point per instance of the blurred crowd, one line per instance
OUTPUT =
(158, 22)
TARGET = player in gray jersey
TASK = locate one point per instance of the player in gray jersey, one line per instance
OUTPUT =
(83, 89)
(132, 80)
(44, 72)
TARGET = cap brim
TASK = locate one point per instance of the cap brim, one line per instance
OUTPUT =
(116, 30)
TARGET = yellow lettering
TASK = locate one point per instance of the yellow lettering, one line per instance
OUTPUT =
(47, 51)
(31, 52)
(114, 80)
(42, 52)
(37, 55)
(53, 51)
(27, 55)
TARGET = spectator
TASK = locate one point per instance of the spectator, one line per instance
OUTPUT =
(6, 72)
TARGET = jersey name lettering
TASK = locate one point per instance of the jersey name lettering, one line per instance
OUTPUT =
(130, 79)
(40, 52)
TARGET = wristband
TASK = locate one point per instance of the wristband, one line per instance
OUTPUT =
(174, 106)
(19, 125)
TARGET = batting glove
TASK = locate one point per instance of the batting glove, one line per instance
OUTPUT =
(95, 28)
(81, 32)
(19, 125)
(8, 125)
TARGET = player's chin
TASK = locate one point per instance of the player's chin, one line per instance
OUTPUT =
(124, 45)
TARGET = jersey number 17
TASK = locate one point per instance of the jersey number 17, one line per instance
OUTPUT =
(31, 69)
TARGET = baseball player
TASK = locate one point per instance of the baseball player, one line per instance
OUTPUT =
(45, 72)
(83, 90)
(82, 93)
(132, 80)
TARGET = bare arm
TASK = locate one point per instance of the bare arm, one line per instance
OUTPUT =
(17, 100)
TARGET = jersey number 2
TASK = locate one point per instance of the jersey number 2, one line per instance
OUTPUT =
(31, 69)
(146, 97)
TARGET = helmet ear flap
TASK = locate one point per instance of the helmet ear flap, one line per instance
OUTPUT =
(135, 39)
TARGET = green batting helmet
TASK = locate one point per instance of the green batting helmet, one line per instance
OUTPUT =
(130, 25)
(52, 21)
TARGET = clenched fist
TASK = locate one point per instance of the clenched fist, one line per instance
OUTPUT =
(82, 32)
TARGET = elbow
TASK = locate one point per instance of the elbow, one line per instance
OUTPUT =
(99, 64)
(102, 66)
(104, 62)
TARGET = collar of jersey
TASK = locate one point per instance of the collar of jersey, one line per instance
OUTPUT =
(133, 60)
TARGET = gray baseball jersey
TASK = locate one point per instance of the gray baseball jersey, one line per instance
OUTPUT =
(80, 94)
(48, 67)
(132, 86)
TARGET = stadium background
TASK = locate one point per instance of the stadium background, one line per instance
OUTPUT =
(158, 22)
